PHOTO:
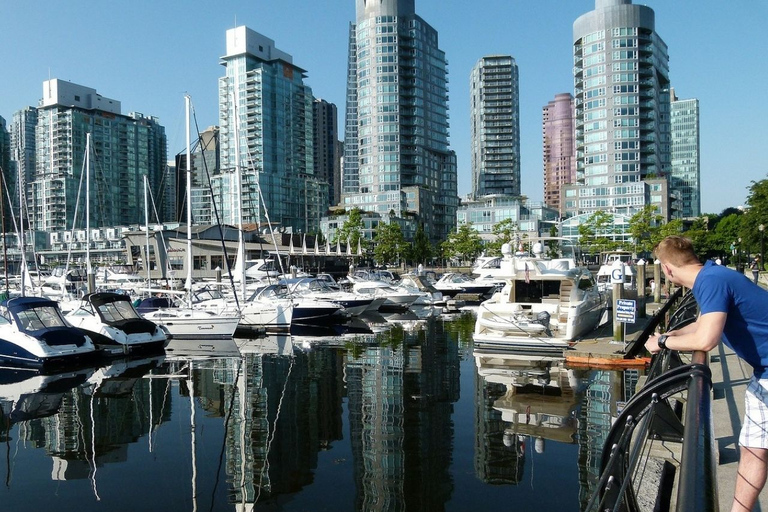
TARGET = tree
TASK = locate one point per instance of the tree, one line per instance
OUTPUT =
(352, 230)
(389, 242)
(644, 227)
(503, 232)
(756, 214)
(422, 248)
(594, 231)
(464, 244)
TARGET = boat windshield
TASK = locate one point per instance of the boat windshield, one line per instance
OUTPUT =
(117, 311)
(44, 317)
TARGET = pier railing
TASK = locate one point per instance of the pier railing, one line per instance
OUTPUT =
(671, 414)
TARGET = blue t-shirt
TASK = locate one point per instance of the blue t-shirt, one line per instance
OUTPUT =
(720, 289)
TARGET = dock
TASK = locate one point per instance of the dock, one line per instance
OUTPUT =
(730, 377)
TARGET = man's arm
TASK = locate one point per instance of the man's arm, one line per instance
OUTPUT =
(704, 334)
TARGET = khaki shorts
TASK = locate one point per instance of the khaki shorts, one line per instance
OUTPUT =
(754, 429)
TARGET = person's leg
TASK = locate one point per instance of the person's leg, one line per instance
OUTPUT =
(750, 479)
(753, 464)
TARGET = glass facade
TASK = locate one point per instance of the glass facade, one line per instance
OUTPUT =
(532, 218)
(124, 149)
(263, 99)
(686, 172)
(397, 157)
(621, 91)
(495, 126)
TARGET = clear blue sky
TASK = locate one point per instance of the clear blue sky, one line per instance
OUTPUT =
(148, 54)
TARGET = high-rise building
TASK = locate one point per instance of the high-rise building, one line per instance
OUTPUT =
(397, 157)
(23, 146)
(123, 150)
(204, 165)
(685, 174)
(5, 149)
(265, 92)
(559, 150)
(621, 90)
(326, 148)
(495, 126)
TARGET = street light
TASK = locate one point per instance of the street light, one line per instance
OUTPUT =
(761, 228)
(738, 257)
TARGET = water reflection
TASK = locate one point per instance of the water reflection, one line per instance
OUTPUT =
(385, 420)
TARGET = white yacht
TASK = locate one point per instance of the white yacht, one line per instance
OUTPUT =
(543, 306)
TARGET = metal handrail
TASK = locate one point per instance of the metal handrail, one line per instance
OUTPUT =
(649, 416)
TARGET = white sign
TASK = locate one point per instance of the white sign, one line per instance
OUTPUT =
(617, 274)
(626, 311)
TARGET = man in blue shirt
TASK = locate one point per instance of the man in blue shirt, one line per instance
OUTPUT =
(733, 309)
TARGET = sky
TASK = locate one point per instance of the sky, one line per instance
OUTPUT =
(148, 54)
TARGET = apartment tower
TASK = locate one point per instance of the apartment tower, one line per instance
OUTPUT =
(685, 175)
(265, 115)
(559, 150)
(397, 157)
(495, 127)
(621, 90)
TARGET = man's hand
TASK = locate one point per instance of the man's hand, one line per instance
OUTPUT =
(652, 345)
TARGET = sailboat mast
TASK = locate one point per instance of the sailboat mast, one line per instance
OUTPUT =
(146, 223)
(23, 260)
(188, 284)
(89, 270)
(239, 195)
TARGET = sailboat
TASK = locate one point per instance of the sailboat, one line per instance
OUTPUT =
(191, 322)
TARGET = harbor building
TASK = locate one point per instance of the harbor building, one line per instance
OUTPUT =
(685, 175)
(495, 126)
(266, 130)
(326, 149)
(397, 158)
(531, 218)
(621, 94)
(559, 150)
(124, 149)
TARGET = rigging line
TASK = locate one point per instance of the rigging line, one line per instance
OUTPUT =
(226, 429)
(216, 211)
(74, 221)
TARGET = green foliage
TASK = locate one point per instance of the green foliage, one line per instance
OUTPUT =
(421, 251)
(390, 243)
(352, 231)
(756, 214)
(464, 244)
(594, 233)
(554, 245)
(644, 226)
(503, 232)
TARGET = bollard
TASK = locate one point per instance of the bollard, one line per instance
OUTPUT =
(657, 280)
(218, 274)
(640, 283)
(617, 282)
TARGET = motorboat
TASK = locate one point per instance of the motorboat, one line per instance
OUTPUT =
(429, 295)
(451, 284)
(115, 326)
(309, 287)
(266, 309)
(616, 261)
(394, 298)
(542, 307)
(189, 322)
(33, 332)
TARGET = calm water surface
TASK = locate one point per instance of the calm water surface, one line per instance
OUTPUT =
(408, 418)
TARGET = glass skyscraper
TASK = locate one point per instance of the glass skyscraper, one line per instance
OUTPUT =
(621, 90)
(495, 127)
(397, 157)
(124, 149)
(265, 92)
(686, 173)
(559, 152)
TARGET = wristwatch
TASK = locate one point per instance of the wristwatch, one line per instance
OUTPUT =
(662, 341)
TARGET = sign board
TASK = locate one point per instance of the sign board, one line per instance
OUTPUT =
(626, 311)
(617, 274)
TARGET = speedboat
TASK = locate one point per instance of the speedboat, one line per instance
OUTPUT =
(190, 322)
(321, 289)
(542, 307)
(111, 321)
(33, 332)
(452, 283)
(266, 309)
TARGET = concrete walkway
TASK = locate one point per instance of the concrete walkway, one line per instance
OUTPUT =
(730, 376)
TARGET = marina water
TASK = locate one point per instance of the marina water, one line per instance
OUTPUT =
(409, 417)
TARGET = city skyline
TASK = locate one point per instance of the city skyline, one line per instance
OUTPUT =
(78, 42)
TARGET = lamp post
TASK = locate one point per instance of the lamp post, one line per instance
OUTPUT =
(738, 257)
(761, 228)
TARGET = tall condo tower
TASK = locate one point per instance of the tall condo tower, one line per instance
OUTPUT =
(495, 127)
(621, 89)
(265, 114)
(123, 150)
(559, 150)
(397, 157)
(326, 148)
(686, 172)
